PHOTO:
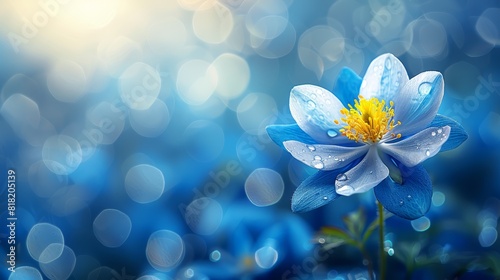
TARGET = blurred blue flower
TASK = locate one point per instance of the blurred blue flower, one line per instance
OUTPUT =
(255, 244)
(377, 142)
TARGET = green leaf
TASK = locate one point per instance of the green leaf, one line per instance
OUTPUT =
(335, 237)
(355, 223)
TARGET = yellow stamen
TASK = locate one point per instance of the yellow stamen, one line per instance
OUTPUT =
(368, 121)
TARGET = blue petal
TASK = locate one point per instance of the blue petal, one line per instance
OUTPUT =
(457, 135)
(315, 110)
(412, 199)
(286, 132)
(418, 102)
(384, 78)
(347, 86)
(316, 191)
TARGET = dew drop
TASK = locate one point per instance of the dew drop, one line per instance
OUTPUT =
(440, 130)
(398, 74)
(427, 152)
(321, 117)
(317, 158)
(388, 63)
(433, 133)
(331, 133)
(318, 164)
(311, 105)
(409, 196)
(328, 102)
(335, 158)
(325, 197)
(313, 96)
(418, 146)
(342, 177)
(424, 88)
(311, 148)
(344, 190)
(371, 171)
(401, 202)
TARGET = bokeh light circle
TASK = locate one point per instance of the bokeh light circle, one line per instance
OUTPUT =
(164, 250)
(61, 154)
(196, 81)
(426, 38)
(26, 273)
(213, 24)
(112, 227)
(421, 224)
(233, 75)
(151, 122)
(62, 267)
(266, 257)
(67, 81)
(40, 237)
(264, 187)
(204, 215)
(488, 26)
(144, 183)
(140, 85)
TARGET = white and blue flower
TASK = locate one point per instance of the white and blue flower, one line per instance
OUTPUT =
(372, 134)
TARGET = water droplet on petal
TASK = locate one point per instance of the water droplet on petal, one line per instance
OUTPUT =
(311, 105)
(345, 190)
(328, 102)
(424, 88)
(427, 152)
(325, 197)
(418, 146)
(313, 96)
(336, 158)
(342, 177)
(388, 63)
(433, 133)
(371, 171)
(318, 164)
(440, 130)
(331, 133)
(409, 196)
(401, 202)
(317, 157)
(311, 148)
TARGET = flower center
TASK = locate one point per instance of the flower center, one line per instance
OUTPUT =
(368, 121)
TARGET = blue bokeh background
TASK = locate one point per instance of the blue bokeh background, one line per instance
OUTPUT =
(136, 131)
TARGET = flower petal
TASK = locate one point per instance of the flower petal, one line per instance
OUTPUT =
(315, 108)
(419, 147)
(384, 78)
(315, 191)
(417, 104)
(412, 199)
(347, 86)
(457, 135)
(364, 176)
(324, 157)
(281, 133)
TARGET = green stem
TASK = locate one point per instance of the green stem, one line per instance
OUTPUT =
(382, 253)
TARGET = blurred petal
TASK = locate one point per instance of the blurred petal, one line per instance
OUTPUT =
(457, 135)
(384, 78)
(364, 176)
(315, 108)
(347, 86)
(315, 191)
(282, 133)
(324, 157)
(419, 147)
(412, 199)
(417, 104)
